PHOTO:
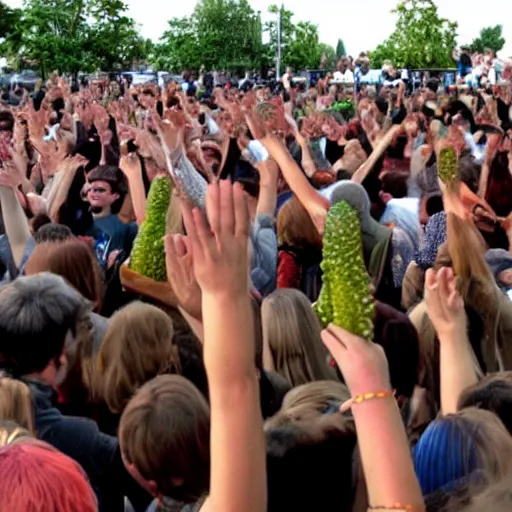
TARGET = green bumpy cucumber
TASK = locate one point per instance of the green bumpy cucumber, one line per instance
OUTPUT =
(345, 298)
(148, 256)
(447, 165)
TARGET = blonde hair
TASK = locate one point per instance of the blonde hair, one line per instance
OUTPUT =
(310, 400)
(16, 403)
(291, 332)
(137, 346)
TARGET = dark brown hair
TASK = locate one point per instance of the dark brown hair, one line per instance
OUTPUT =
(165, 433)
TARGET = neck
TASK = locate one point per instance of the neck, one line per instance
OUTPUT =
(105, 212)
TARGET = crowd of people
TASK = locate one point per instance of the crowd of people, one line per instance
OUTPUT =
(161, 252)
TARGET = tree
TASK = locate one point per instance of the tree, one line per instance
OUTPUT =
(75, 35)
(422, 39)
(220, 34)
(340, 49)
(300, 44)
(113, 36)
(327, 51)
(490, 38)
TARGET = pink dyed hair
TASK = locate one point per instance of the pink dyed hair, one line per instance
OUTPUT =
(38, 478)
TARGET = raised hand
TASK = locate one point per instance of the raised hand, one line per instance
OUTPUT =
(363, 365)
(180, 274)
(221, 251)
(445, 306)
(130, 165)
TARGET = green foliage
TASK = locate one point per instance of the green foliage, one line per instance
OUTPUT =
(300, 44)
(220, 34)
(74, 35)
(345, 298)
(328, 52)
(422, 39)
(490, 37)
(148, 255)
(340, 49)
(228, 35)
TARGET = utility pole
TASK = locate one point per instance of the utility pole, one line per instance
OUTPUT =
(278, 59)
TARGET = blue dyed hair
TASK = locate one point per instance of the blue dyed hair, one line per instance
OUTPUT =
(446, 454)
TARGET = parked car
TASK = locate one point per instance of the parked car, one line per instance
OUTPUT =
(140, 77)
(27, 79)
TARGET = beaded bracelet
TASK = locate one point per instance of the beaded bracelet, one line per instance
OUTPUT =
(371, 396)
(399, 507)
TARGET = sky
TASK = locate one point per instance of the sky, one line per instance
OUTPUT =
(362, 24)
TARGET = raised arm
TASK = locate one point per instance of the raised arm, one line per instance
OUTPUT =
(221, 265)
(445, 309)
(383, 444)
(15, 220)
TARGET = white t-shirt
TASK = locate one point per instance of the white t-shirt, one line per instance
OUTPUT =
(344, 78)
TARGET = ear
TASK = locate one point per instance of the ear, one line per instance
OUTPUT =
(148, 485)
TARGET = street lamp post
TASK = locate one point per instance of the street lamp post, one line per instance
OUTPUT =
(278, 59)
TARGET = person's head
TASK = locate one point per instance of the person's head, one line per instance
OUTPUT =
(52, 233)
(212, 155)
(342, 64)
(11, 433)
(365, 65)
(500, 263)
(493, 393)
(320, 397)
(74, 261)
(305, 440)
(38, 315)
(107, 189)
(16, 403)
(295, 227)
(137, 346)
(6, 121)
(455, 449)
(35, 476)
(353, 156)
(164, 437)
(292, 332)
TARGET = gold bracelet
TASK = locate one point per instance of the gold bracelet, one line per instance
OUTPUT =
(399, 507)
(371, 396)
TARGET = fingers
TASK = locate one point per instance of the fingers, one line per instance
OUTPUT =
(241, 211)
(346, 338)
(179, 245)
(204, 235)
(442, 280)
(331, 341)
(227, 209)
(430, 280)
(188, 221)
(213, 207)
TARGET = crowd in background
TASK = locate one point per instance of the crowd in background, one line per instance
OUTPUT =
(190, 372)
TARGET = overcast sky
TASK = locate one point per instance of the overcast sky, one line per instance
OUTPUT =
(362, 24)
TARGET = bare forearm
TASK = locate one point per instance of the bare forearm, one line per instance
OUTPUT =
(237, 439)
(15, 222)
(295, 178)
(458, 369)
(307, 161)
(138, 196)
(267, 200)
(484, 180)
(386, 455)
(365, 169)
